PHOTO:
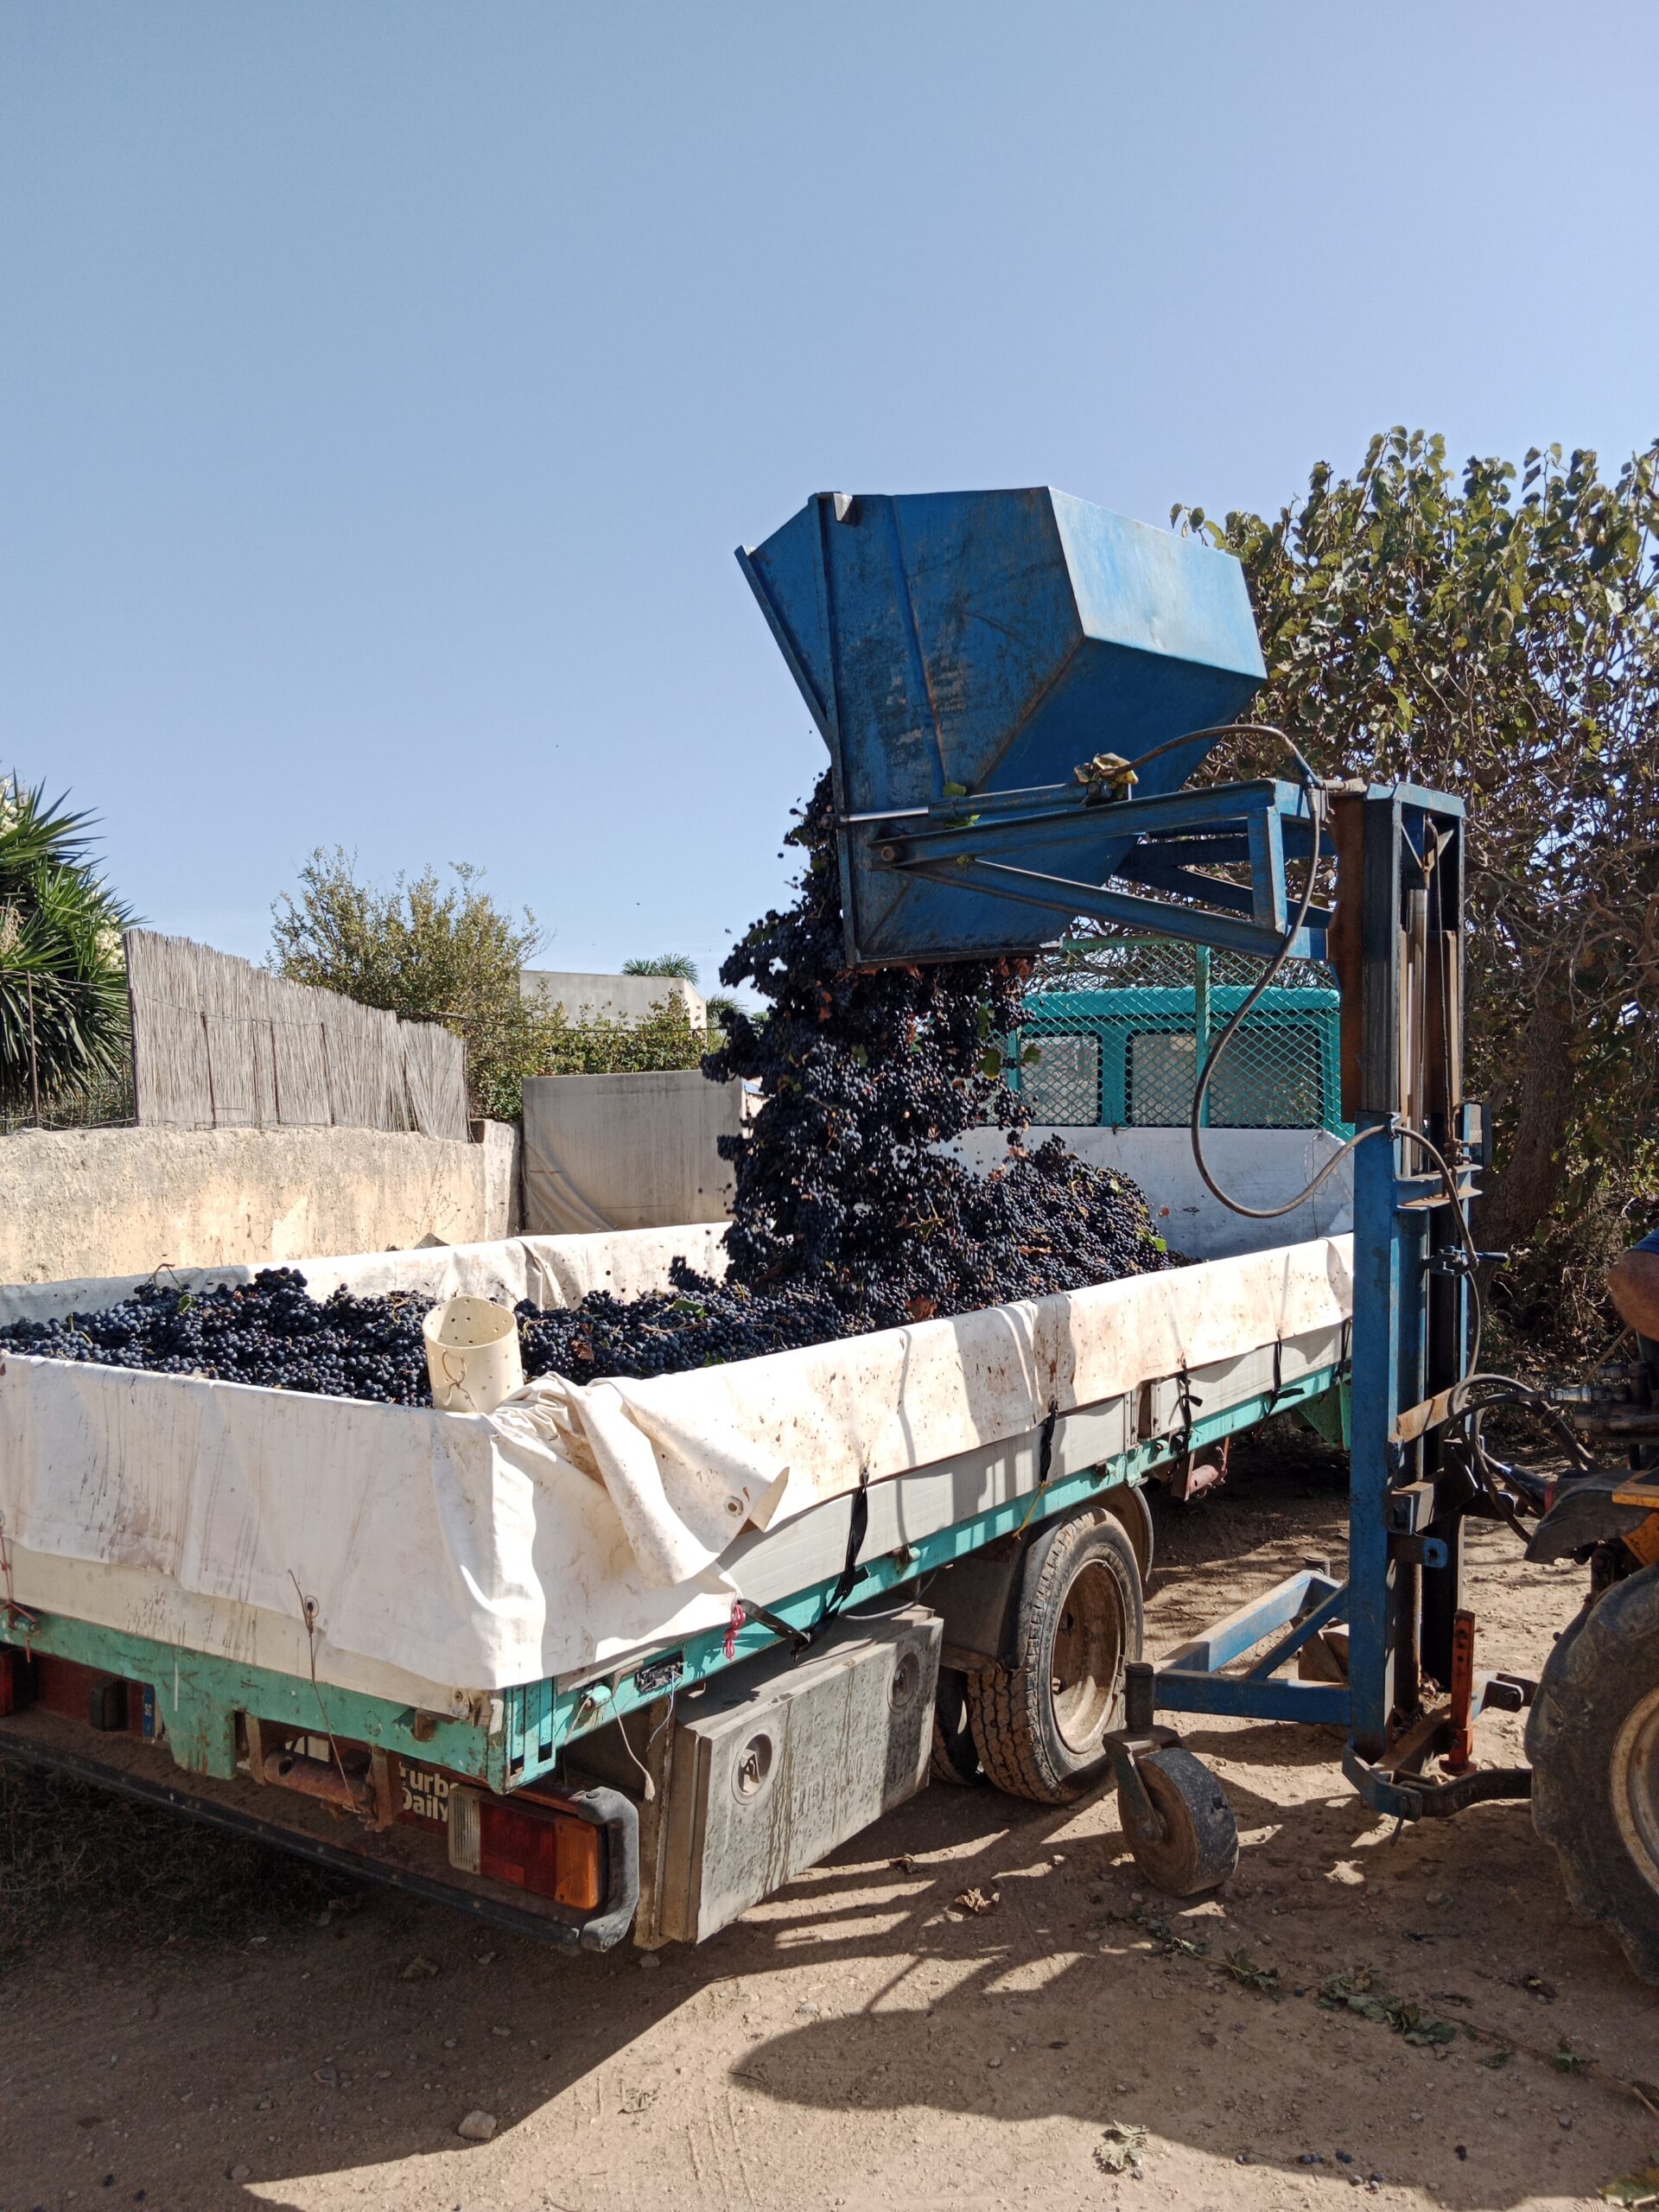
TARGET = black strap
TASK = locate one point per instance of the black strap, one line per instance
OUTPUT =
(1045, 1462)
(846, 1581)
(1189, 1398)
(800, 1638)
(1278, 1374)
(1046, 1442)
(851, 1574)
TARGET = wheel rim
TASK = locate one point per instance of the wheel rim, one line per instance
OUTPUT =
(1636, 1786)
(1087, 1660)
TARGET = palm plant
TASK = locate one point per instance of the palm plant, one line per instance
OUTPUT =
(680, 964)
(63, 997)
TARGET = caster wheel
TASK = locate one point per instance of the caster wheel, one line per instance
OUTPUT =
(1197, 1845)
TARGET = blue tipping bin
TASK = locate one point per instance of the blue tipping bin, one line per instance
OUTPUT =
(993, 641)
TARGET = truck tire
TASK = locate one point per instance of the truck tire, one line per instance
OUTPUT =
(1037, 1726)
(954, 1759)
(1592, 1736)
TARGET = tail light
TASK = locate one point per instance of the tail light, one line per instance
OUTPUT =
(532, 1846)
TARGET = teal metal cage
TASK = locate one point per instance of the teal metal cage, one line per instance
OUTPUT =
(1127, 1056)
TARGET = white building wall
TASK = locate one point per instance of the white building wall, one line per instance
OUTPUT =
(627, 997)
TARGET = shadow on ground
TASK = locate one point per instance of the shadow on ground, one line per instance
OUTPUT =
(180, 2017)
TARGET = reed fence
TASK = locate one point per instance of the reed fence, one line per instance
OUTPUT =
(218, 1044)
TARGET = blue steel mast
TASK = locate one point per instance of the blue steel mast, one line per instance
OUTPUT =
(1015, 688)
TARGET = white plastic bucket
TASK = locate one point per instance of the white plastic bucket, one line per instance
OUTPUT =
(471, 1354)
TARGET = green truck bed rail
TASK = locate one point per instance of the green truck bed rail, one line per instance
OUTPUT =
(198, 1696)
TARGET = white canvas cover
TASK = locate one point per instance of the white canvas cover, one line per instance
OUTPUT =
(628, 1150)
(451, 1555)
(547, 1270)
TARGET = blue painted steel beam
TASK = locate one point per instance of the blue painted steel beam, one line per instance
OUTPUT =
(1267, 868)
(1332, 1607)
(1154, 866)
(979, 819)
(1204, 848)
(1228, 1639)
(1237, 1697)
(1058, 895)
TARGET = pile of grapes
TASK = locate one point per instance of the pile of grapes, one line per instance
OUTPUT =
(849, 1214)
(270, 1331)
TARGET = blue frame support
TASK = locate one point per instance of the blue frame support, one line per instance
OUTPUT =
(1395, 939)
(990, 850)
(964, 654)
(1192, 1681)
(1377, 1357)
(1397, 946)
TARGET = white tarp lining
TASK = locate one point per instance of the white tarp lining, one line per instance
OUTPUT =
(451, 1553)
(766, 1565)
(547, 1270)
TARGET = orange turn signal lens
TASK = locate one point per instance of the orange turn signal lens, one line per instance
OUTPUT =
(535, 1847)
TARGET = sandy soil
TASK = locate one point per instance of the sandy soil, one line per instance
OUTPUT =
(855, 2042)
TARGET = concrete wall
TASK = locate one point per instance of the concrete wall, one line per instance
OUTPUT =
(97, 1202)
(626, 1151)
(628, 997)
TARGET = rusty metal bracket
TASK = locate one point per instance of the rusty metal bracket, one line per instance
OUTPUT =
(1140, 1816)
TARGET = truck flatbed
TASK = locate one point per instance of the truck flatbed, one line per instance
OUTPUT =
(205, 1723)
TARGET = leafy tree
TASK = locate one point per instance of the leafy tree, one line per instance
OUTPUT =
(418, 949)
(1496, 635)
(540, 1039)
(63, 1028)
(452, 955)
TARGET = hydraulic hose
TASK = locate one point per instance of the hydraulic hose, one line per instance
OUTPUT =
(1314, 790)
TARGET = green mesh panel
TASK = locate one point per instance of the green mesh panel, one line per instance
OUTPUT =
(1062, 1083)
(1119, 1030)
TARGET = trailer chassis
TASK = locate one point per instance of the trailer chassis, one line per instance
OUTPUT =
(199, 1721)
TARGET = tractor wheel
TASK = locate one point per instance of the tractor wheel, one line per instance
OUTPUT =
(1592, 1736)
(1077, 1623)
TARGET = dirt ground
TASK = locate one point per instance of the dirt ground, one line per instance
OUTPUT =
(237, 2030)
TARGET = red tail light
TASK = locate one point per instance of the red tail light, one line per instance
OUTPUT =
(540, 1849)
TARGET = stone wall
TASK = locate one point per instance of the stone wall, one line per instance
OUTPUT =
(105, 1202)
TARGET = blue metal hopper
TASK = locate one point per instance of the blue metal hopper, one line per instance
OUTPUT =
(955, 646)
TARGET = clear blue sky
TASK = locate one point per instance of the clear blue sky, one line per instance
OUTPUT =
(384, 387)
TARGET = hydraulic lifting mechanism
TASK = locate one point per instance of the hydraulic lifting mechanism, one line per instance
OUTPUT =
(966, 657)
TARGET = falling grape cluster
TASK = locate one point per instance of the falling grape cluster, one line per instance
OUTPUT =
(845, 1182)
(852, 1212)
